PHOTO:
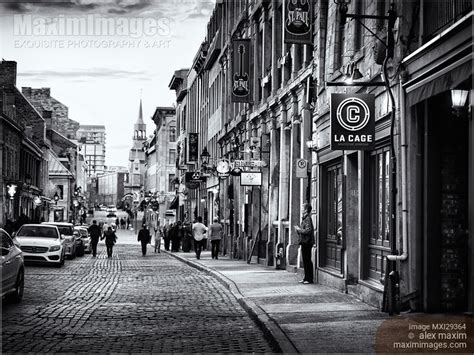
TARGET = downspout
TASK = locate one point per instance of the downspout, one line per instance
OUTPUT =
(403, 158)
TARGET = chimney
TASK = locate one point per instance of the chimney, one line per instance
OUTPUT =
(7, 73)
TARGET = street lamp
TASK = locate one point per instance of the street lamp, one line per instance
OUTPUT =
(56, 198)
(205, 157)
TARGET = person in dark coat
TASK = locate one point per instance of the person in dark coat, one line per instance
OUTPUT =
(166, 235)
(144, 237)
(95, 233)
(306, 236)
(110, 240)
(176, 236)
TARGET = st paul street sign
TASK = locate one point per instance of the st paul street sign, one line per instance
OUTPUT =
(352, 121)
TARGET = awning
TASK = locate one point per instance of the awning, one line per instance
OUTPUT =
(174, 204)
(446, 79)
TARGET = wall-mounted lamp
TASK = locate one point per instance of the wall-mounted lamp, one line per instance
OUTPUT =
(56, 197)
(352, 73)
(205, 156)
(312, 145)
(11, 189)
(459, 98)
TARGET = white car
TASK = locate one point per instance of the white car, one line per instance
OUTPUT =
(67, 231)
(111, 209)
(41, 243)
(13, 269)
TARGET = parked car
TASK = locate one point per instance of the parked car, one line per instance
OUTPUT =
(111, 215)
(13, 269)
(86, 241)
(111, 209)
(41, 243)
(67, 231)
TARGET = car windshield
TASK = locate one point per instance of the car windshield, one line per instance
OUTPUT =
(37, 231)
(65, 230)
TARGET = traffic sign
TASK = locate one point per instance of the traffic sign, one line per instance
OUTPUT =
(301, 168)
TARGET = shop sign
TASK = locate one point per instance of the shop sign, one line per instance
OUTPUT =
(298, 28)
(193, 148)
(251, 178)
(241, 71)
(352, 121)
(248, 164)
(193, 179)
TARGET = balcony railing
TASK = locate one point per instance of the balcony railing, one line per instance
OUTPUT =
(438, 15)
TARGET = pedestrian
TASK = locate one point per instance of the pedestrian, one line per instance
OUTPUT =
(117, 222)
(175, 236)
(144, 238)
(166, 235)
(122, 223)
(110, 240)
(158, 236)
(128, 222)
(199, 231)
(306, 240)
(95, 233)
(215, 235)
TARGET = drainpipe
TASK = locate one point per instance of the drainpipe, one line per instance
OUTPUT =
(403, 139)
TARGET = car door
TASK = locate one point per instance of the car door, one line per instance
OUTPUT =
(8, 262)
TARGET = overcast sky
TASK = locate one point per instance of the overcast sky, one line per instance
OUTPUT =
(98, 55)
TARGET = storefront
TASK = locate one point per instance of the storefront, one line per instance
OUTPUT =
(440, 175)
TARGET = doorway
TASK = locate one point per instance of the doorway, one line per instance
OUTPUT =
(445, 206)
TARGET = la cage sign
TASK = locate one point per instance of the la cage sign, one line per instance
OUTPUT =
(352, 121)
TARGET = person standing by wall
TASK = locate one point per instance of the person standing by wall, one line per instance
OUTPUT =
(176, 236)
(215, 235)
(166, 235)
(144, 238)
(158, 236)
(95, 233)
(306, 240)
(199, 230)
(110, 240)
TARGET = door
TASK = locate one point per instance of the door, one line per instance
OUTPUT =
(446, 183)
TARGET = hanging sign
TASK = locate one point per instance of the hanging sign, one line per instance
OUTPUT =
(241, 70)
(352, 121)
(248, 164)
(250, 178)
(193, 153)
(301, 168)
(298, 21)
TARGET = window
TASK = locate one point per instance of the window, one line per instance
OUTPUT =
(171, 182)
(172, 134)
(380, 195)
(378, 229)
(172, 156)
(332, 217)
(61, 191)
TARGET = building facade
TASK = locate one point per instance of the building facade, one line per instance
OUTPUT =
(92, 140)
(370, 214)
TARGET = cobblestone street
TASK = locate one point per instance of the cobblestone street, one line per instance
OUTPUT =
(128, 304)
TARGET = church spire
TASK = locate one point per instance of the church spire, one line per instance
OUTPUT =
(140, 113)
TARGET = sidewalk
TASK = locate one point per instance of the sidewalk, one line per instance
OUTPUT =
(299, 318)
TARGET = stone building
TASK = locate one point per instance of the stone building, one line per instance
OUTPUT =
(161, 161)
(55, 113)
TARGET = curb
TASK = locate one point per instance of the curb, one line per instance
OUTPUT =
(277, 337)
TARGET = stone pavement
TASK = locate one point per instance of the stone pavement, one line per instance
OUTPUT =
(301, 318)
(127, 304)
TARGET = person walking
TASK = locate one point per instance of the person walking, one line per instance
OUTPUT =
(95, 233)
(215, 235)
(158, 236)
(110, 240)
(128, 222)
(306, 240)
(144, 238)
(166, 235)
(175, 236)
(199, 230)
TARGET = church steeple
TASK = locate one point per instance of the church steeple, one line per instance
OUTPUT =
(140, 113)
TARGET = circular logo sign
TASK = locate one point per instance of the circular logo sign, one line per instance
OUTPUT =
(353, 114)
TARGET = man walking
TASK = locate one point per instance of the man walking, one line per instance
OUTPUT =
(95, 232)
(306, 239)
(215, 235)
(199, 230)
(144, 237)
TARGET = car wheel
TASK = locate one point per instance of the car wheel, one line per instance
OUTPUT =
(19, 287)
